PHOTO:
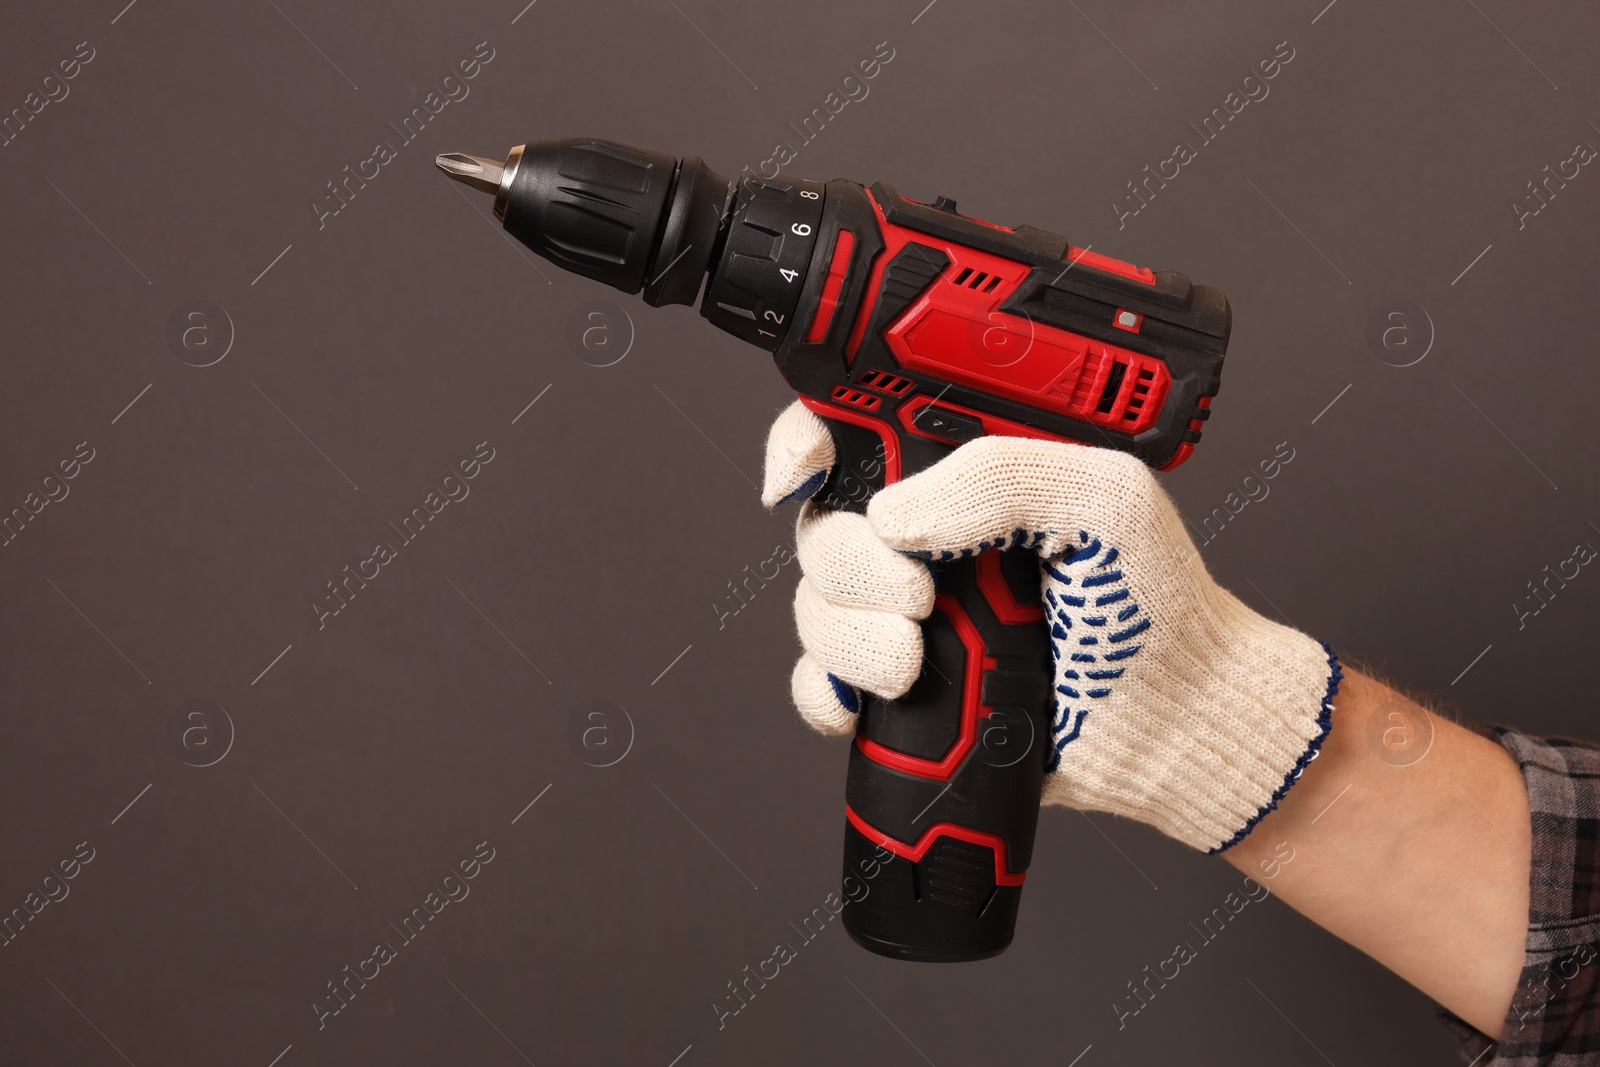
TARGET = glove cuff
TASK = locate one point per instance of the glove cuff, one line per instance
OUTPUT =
(1205, 763)
(1320, 725)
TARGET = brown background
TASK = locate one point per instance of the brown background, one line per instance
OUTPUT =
(607, 527)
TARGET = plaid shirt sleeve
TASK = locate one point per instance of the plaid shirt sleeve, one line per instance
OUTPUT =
(1553, 1020)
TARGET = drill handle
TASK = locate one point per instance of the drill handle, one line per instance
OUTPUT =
(947, 779)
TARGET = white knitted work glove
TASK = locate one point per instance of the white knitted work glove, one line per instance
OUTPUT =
(1175, 703)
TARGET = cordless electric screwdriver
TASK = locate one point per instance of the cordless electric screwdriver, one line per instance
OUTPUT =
(910, 328)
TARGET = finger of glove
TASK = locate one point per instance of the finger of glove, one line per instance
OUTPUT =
(799, 455)
(998, 492)
(827, 704)
(851, 567)
(878, 651)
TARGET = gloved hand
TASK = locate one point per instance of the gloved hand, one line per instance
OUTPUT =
(1175, 704)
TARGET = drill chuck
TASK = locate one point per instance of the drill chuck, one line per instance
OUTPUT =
(628, 217)
(636, 219)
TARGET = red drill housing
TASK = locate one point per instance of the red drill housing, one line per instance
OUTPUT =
(912, 329)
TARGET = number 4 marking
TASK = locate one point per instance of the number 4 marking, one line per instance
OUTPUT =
(788, 275)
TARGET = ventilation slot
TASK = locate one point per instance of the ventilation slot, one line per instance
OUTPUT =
(1141, 393)
(971, 279)
(885, 382)
(1108, 396)
(856, 398)
(1119, 389)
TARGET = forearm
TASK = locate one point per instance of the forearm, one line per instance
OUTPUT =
(1416, 855)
